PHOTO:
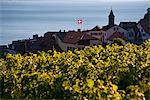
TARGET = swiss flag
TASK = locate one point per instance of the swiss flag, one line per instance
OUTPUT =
(79, 21)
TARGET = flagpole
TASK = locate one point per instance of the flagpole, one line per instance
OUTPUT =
(80, 21)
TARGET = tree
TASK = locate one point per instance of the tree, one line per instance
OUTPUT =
(118, 41)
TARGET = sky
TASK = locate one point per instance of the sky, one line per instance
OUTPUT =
(72, 1)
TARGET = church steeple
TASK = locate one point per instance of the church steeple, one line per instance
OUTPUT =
(111, 18)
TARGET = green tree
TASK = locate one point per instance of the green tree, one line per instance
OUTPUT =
(118, 41)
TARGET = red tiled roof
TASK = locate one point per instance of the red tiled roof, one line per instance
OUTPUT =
(116, 35)
(87, 37)
(74, 37)
(96, 28)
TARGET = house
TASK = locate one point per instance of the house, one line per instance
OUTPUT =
(19, 46)
(144, 26)
(3, 47)
(35, 44)
(116, 35)
(97, 32)
(76, 39)
(49, 39)
(58, 38)
(116, 29)
(28, 45)
(4, 50)
(133, 33)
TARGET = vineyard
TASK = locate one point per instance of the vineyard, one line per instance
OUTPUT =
(94, 73)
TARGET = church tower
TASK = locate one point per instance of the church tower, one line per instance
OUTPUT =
(111, 18)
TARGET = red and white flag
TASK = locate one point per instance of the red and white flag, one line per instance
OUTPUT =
(79, 21)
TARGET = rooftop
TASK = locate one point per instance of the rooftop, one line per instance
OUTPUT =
(96, 28)
(74, 37)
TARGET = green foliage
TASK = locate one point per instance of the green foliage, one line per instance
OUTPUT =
(118, 41)
(111, 73)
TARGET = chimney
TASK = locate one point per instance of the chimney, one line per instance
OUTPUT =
(35, 36)
(60, 31)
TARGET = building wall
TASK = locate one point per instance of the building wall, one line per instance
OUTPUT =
(95, 42)
(66, 46)
(113, 29)
(131, 35)
(101, 35)
(144, 35)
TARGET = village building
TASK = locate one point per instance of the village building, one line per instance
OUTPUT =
(76, 39)
(49, 39)
(98, 33)
(116, 29)
(18, 46)
(4, 50)
(144, 26)
(133, 33)
(29, 45)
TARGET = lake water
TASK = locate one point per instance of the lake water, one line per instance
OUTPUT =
(20, 20)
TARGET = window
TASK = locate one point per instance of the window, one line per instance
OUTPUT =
(144, 34)
(130, 34)
(71, 48)
(13, 47)
(68, 48)
(114, 29)
(100, 33)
